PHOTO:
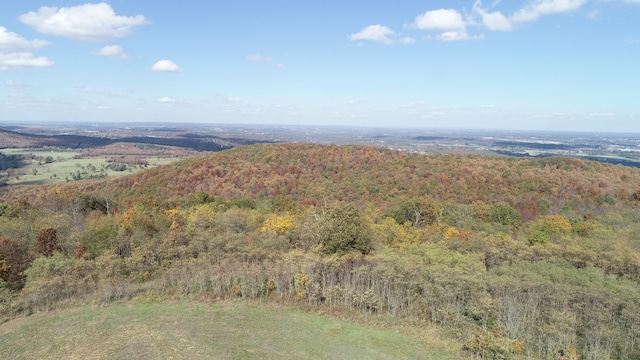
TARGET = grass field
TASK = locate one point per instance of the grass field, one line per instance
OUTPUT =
(66, 165)
(224, 330)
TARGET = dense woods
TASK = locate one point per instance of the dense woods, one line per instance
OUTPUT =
(517, 258)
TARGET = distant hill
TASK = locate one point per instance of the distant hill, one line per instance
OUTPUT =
(312, 174)
(10, 138)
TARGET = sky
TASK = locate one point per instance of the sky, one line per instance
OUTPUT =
(569, 65)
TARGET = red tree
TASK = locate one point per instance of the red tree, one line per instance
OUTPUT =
(47, 242)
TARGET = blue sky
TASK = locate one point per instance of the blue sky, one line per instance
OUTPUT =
(524, 64)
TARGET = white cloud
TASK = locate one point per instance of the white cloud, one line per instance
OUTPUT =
(24, 59)
(374, 33)
(10, 41)
(449, 21)
(88, 22)
(15, 51)
(113, 50)
(442, 19)
(493, 20)
(167, 99)
(545, 7)
(456, 35)
(454, 24)
(233, 99)
(166, 66)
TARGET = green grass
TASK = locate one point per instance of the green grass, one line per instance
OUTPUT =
(65, 164)
(224, 330)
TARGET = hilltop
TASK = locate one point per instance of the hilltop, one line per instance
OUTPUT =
(511, 257)
(311, 174)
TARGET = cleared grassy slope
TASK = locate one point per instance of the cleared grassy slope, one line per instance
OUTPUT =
(226, 330)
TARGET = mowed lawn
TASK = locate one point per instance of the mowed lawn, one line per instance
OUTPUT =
(225, 330)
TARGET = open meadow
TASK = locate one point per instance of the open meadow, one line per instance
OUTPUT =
(54, 166)
(223, 330)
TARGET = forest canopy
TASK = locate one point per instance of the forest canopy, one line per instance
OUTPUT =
(516, 258)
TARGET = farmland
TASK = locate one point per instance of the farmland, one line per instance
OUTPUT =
(54, 166)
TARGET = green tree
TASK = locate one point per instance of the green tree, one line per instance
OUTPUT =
(415, 212)
(504, 214)
(343, 229)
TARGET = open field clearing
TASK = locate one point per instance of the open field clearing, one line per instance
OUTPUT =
(226, 330)
(49, 167)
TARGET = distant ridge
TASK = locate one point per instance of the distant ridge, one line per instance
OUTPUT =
(10, 138)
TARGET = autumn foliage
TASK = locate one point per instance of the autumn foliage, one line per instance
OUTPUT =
(14, 259)
(47, 242)
(518, 258)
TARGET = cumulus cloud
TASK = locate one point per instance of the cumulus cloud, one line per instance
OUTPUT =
(166, 66)
(539, 8)
(380, 33)
(88, 22)
(455, 35)
(24, 59)
(10, 41)
(166, 99)
(450, 21)
(374, 33)
(15, 51)
(495, 20)
(442, 19)
(454, 25)
(113, 50)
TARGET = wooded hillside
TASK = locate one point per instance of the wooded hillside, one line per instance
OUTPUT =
(312, 173)
(518, 258)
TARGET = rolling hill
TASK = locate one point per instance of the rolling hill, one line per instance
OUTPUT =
(513, 258)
